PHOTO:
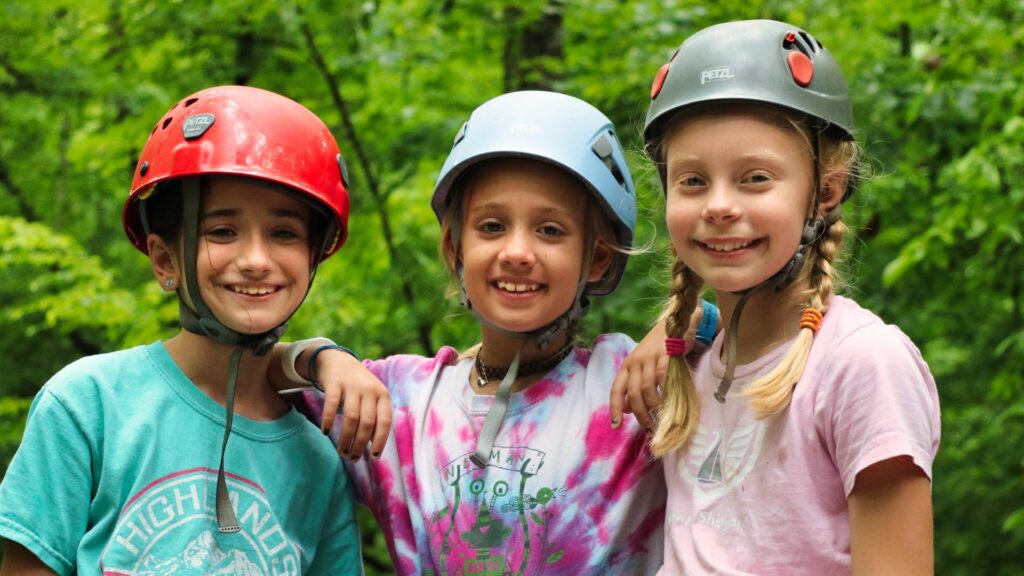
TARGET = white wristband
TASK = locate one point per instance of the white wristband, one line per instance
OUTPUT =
(292, 353)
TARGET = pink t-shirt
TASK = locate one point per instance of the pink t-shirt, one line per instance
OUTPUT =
(769, 496)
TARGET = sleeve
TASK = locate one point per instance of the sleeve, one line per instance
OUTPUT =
(881, 402)
(44, 503)
(613, 347)
(338, 552)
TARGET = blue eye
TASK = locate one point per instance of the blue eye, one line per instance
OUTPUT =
(757, 178)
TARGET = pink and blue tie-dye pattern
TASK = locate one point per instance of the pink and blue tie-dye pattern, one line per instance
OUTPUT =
(562, 492)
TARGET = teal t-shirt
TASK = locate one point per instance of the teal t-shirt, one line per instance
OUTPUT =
(116, 474)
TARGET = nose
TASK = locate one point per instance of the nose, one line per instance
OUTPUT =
(518, 249)
(721, 203)
(255, 255)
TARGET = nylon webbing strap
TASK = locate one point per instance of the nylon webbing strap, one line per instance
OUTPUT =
(191, 199)
(496, 415)
(226, 520)
(730, 339)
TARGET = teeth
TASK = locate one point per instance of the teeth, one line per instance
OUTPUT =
(513, 287)
(728, 246)
(253, 290)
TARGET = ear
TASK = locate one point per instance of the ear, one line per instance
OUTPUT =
(451, 255)
(601, 260)
(164, 262)
(832, 187)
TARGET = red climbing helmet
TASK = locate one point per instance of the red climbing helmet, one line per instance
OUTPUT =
(242, 131)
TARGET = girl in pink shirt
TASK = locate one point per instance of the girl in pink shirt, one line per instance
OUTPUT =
(803, 442)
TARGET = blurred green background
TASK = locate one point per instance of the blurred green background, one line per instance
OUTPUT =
(937, 92)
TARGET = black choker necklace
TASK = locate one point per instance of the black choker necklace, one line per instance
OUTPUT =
(486, 374)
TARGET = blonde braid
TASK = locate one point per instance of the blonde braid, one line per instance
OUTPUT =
(772, 393)
(680, 409)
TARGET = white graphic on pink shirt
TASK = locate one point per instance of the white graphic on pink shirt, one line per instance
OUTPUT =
(719, 460)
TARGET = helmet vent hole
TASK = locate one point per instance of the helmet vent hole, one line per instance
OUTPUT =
(167, 122)
(191, 101)
(810, 42)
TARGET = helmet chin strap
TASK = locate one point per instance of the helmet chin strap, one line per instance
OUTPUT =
(202, 321)
(814, 229)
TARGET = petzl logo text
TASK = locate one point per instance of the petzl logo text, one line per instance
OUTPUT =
(716, 74)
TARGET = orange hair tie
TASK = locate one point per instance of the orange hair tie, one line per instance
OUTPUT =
(811, 319)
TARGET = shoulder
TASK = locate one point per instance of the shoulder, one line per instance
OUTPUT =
(101, 372)
(853, 337)
(614, 345)
(602, 362)
(402, 367)
(875, 396)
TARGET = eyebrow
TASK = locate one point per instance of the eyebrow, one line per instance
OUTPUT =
(497, 206)
(233, 212)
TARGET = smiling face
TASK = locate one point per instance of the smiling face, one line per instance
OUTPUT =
(737, 195)
(253, 262)
(522, 242)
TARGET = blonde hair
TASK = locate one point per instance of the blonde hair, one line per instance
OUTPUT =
(769, 395)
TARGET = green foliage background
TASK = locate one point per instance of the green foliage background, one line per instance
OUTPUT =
(936, 87)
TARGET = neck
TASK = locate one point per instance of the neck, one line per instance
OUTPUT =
(769, 319)
(498, 350)
(205, 362)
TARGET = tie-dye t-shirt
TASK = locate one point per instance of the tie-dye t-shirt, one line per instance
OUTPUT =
(562, 493)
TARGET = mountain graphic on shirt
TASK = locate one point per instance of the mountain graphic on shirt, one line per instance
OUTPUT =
(201, 556)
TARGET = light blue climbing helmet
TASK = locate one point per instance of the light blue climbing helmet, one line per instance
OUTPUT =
(562, 131)
(558, 129)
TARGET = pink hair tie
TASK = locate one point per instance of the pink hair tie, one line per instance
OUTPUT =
(675, 346)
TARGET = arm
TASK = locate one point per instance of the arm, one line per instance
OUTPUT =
(635, 388)
(891, 519)
(19, 561)
(346, 383)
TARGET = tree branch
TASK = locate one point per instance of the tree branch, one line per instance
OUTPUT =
(352, 137)
(24, 208)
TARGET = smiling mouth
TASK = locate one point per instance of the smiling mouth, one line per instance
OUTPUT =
(727, 246)
(253, 290)
(517, 287)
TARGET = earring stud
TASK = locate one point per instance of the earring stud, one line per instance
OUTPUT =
(169, 283)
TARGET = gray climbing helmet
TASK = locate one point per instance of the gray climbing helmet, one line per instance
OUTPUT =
(761, 61)
(561, 130)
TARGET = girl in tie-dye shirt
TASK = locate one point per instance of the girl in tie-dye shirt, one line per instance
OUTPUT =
(502, 459)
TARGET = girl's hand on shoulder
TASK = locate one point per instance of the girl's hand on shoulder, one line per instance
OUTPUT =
(636, 388)
(363, 400)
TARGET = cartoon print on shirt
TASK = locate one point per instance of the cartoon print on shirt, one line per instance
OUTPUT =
(507, 517)
(718, 460)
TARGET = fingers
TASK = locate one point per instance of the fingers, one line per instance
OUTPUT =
(365, 423)
(383, 427)
(364, 428)
(617, 395)
(350, 412)
(637, 397)
(332, 399)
